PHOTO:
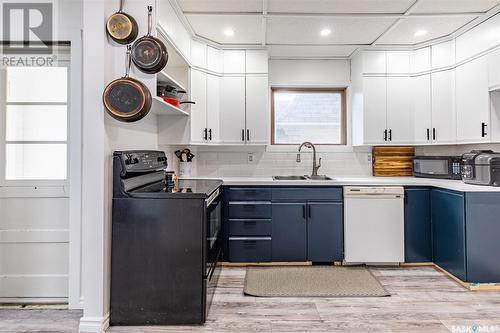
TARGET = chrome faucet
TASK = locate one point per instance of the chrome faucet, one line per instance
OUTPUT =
(315, 166)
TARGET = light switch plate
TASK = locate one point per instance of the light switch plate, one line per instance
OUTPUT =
(250, 158)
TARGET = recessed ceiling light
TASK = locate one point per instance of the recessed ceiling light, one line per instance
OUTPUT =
(229, 32)
(325, 32)
(420, 33)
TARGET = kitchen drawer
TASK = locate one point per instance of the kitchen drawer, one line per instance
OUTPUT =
(307, 194)
(248, 194)
(250, 210)
(249, 249)
(249, 227)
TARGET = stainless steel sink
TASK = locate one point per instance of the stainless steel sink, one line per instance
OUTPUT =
(319, 177)
(289, 178)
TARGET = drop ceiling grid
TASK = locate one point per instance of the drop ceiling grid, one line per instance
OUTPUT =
(288, 25)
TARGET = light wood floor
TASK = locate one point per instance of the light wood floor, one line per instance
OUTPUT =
(423, 300)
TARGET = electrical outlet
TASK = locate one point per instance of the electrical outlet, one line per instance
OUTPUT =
(250, 158)
(369, 158)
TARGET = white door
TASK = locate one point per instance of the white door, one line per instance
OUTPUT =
(473, 103)
(213, 108)
(198, 110)
(444, 128)
(375, 107)
(399, 110)
(34, 199)
(257, 109)
(421, 109)
(233, 110)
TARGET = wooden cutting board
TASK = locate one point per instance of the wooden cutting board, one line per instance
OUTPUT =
(393, 161)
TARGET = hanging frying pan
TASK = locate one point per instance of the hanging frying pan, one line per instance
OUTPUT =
(127, 99)
(121, 27)
(149, 54)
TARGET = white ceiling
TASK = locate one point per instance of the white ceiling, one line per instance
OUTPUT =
(293, 26)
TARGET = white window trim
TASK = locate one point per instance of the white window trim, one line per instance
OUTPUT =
(34, 183)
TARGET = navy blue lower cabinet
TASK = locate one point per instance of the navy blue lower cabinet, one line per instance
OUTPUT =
(448, 231)
(325, 231)
(289, 231)
(483, 237)
(418, 233)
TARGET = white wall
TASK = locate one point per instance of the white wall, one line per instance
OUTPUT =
(336, 161)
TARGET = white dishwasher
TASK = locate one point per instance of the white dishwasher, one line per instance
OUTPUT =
(374, 224)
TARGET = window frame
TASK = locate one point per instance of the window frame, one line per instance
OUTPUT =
(4, 182)
(343, 115)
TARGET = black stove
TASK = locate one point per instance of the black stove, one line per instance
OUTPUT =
(166, 243)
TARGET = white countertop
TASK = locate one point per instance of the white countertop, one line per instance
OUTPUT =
(456, 185)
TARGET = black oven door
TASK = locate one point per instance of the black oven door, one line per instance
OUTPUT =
(213, 252)
(213, 231)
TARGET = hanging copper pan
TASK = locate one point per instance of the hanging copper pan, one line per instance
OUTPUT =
(149, 53)
(121, 27)
(127, 99)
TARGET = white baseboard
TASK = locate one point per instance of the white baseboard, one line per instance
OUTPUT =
(94, 324)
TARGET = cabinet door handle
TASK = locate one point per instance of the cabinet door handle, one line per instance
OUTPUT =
(434, 134)
(390, 135)
(242, 135)
(210, 134)
(248, 135)
(309, 214)
(385, 135)
(428, 134)
(483, 129)
(304, 211)
(205, 133)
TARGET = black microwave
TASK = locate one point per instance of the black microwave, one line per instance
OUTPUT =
(443, 167)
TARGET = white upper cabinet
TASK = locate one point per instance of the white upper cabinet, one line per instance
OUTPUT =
(478, 39)
(421, 108)
(233, 110)
(169, 22)
(198, 54)
(420, 60)
(473, 104)
(443, 54)
(494, 69)
(213, 108)
(198, 110)
(399, 110)
(374, 62)
(398, 62)
(234, 61)
(375, 110)
(256, 62)
(214, 60)
(443, 107)
(257, 109)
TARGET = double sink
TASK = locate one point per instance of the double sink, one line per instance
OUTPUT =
(319, 177)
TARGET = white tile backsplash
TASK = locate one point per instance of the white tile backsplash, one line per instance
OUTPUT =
(221, 162)
(217, 163)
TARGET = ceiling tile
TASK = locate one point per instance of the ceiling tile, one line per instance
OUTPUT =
(247, 28)
(306, 30)
(235, 6)
(404, 32)
(454, 6)
(339, 6)
(311, 51)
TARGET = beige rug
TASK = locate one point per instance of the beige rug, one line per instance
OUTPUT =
(312, 281)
